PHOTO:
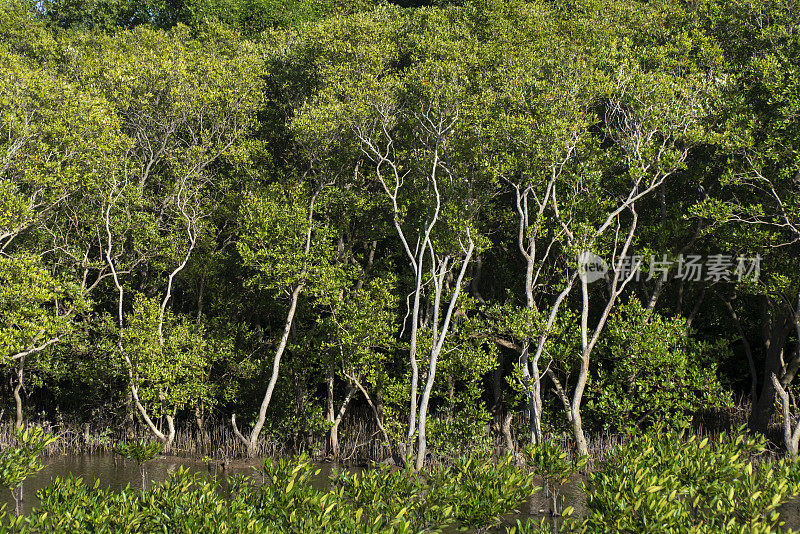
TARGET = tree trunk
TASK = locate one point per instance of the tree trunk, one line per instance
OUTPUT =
(299, 412)
(497, 385)
(532, 378)
(17, 389)
(791, 436)
(438, 342)
(378, 415)
(335, 418)
(451, 396)
(170, 438)
(379, 404)
(506, 430)
(333, 440)
(535, 417)
(333, 436)
(130, 415)
(252, 441)
(166, 439)
(408, 449)
(747, 350)
(577, 432)
(16, 494)
(775, 330)
(199, 418)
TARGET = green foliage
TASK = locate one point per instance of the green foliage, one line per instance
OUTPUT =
(691, 486)
(33, 305)
(277, 223)
(139, 451)
(474, 492)
(171, 170)
(550, 462)
(674, 481)
(483, 489)
(103, 15)
(19, 462)
(185, 503)
(249, 17)
(462, 429)
(254, 17)
(651, 370)
(387, 496)
(287, 501)
(170, 375)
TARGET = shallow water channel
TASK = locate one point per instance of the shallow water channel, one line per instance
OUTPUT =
(115, 473)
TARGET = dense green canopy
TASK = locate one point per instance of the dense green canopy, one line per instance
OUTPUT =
(283, 210)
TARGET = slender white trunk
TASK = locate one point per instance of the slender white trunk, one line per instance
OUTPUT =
(17, 389)
(412, 357)
(436, 349)
(532, 377)
(252, 441)
(791, 435)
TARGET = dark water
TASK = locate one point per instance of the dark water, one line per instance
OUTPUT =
(116, 474)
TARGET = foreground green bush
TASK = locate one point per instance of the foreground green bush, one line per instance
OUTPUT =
(483, 490)
(671, 481)
(666, 481)
(20, 462)
(280, 498)
(676, 482)
(474, 492)
(552, 464)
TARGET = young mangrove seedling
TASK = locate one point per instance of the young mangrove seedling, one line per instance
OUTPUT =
(18, 463)
(140, 452)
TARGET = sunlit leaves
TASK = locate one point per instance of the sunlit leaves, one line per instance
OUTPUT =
(34, 306)
(169, 375)
(651, 370)
(670, 481)
(19, 462)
